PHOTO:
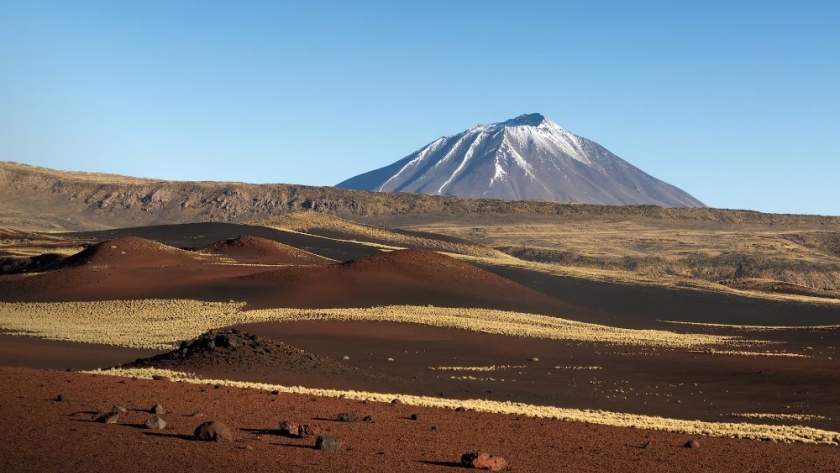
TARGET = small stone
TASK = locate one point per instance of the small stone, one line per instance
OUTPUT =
(157, 409)
(483, 461)
(434, 428)
(290, 429)
(155, 423)
(158, 377)
(368, 419)
(58, 398)
(414, 417)
(692, 444)
(108, 418)
(213, 431)
(396, 401)
(348, 417)
(119, 410)
(533, 359)
(460, 409)
(327, 442)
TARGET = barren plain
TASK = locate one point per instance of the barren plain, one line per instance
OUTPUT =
(557, 343)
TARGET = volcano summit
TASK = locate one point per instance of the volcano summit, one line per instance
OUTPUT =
(526, 158)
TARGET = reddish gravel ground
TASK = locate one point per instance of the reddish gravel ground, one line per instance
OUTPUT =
(391, 443)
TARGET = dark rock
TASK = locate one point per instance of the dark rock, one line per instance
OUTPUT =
(483, 461)
(158, 377)
(58, 398)
(155, 423)
(327, 442)
(435, 428)
(692, 444)
(157, 409)
(368, 419)
(414, 417)
(213, 431)
(460, 409)
(348, 417)
(396, 401)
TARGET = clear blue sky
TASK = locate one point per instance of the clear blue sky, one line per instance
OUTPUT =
(737, 103)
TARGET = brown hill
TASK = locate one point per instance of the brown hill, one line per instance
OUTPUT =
(128, 252)
(414, 277)
(256, 250)
(121, 268)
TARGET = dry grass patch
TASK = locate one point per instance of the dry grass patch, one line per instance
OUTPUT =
(794, 417)
(327, 225)
(475, 368)
(161, 324)
(753, 328)
(779, 433)
(578, 368)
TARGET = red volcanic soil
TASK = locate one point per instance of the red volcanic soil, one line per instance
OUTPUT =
(131, 268)
(416, 277)
(46, 435)
(123, 268)
(256, 250)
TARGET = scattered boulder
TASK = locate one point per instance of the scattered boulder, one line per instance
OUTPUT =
(396, 401)
(157, 409)
(119, 410)
(213, 431)
(108, 418)
(414, 417)
(348, 417)
(692, 444)
(327, 442)
(483, 461)
(290, 429)
(155, 423)
(368, 419)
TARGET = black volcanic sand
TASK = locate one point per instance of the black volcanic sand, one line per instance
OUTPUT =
(638, 306)
(670, 383)
(33, 352)
(239, 355)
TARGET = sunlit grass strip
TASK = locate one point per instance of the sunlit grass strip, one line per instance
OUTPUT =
(161, 324)
(578, 368)
(779, 433)
(311, 222)
(751, 353)
(153, 323)
(753, 328)
(797, 417)
(475, 368)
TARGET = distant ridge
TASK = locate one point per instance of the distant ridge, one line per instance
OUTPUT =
(43, 199)
(525, 158)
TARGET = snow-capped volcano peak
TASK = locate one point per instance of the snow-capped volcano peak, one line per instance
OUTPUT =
(527, 157)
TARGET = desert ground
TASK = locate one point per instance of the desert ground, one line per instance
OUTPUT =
(549, 343)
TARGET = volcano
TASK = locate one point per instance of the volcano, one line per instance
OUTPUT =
(526, 158)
